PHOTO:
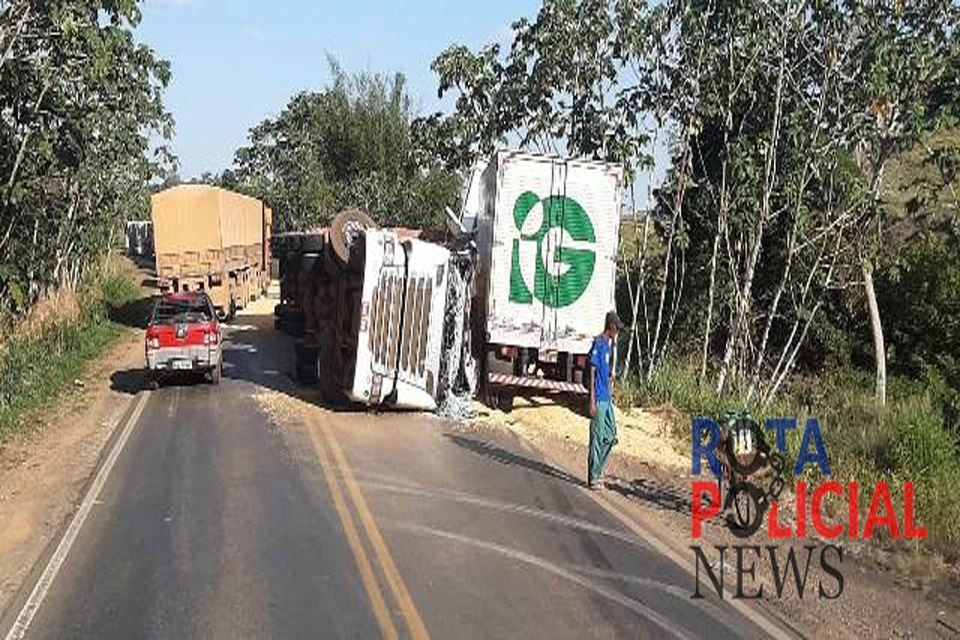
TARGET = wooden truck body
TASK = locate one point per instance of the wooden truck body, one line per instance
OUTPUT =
(212, 240)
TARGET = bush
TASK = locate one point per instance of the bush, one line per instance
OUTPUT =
(36, 367)
(909, 439)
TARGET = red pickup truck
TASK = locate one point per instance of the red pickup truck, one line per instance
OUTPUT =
(184, 335)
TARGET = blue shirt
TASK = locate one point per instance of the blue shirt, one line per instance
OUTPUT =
(600, 360)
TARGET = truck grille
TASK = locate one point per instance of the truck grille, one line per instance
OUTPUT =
(387, 303)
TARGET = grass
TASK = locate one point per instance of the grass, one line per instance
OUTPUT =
(37, 366)
(912, 438)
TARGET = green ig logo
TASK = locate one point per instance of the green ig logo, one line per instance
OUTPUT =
(561, 278)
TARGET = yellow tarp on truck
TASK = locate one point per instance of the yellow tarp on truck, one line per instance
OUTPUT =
(208, 238)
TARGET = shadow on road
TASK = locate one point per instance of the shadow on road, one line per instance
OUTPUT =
(541, 398)
(133, 381)
(256, 352)
(130, 381)
(510, 458)
(653, 493)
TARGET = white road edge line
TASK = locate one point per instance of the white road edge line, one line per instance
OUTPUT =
(32, 605)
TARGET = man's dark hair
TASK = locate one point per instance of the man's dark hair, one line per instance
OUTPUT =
(612, 320)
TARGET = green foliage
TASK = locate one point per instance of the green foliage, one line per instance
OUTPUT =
(80, 101)
(921, 306)
(37, 368)
(350, 145)
(556, 89)
(906, 440)
(782, 118)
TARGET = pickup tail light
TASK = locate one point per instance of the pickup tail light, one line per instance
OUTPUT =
(153, 343)
(211, 338)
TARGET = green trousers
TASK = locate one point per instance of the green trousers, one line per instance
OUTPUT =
(603, 435)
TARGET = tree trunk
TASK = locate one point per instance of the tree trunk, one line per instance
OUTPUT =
(710, 295)
(739, 329)
(657, 348)
(635, 295)
(876, 333)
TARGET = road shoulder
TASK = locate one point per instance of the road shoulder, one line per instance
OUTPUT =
(44, 469)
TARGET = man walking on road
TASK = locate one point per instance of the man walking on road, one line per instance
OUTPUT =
(603, 425)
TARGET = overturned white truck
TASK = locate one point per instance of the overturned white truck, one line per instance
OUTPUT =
(510, 297)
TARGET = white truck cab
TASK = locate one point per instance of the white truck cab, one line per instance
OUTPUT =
(402, 315)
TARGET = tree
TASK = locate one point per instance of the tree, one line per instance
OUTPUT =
(350, 145)
(780, 115)
(900, 59)
(79, 99)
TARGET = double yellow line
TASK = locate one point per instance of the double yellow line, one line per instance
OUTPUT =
(324, 442)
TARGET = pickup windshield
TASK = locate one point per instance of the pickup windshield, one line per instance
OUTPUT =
(174, 311)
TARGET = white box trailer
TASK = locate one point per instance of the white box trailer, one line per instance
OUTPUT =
(546, 230)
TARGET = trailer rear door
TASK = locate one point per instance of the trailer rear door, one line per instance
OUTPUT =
(552, 258)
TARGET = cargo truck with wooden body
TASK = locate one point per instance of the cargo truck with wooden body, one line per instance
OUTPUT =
(212, 240)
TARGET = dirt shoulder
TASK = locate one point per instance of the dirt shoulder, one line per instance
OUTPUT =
(885, 595)
(44, 468)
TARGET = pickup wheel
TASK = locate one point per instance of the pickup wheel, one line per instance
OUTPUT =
(346, 233)
(216, 373)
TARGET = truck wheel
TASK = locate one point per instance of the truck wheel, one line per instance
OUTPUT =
(505, 401)
(217, 372)
(306, 356)
(345, 233)
(232, 312)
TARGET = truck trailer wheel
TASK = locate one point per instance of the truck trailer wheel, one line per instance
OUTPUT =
(345, 234)
(306, 357)
(504, 400)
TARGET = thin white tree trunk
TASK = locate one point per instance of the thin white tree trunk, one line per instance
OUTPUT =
(671, 236)
(876, 334)
(738, 329)
(710, 296)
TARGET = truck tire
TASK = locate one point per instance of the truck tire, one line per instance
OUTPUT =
(216, 373)
(345, 232)
(312, 243)
(306, 357)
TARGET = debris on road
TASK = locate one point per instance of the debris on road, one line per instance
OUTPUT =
(281, 407)
(457, 407)
(641, 435)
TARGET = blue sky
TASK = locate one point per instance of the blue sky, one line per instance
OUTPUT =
(236, 62)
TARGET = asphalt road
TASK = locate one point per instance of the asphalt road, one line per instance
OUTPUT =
(218, 522)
